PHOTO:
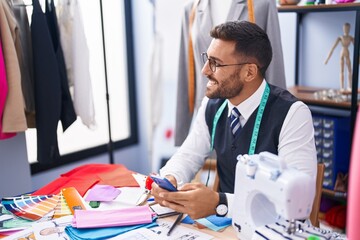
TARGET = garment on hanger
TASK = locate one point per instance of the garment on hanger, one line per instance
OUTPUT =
(67, 115)
(24, 53)
(52, 97)
(13, 119)
(3, 93)
(76, 53)
(266, 17)
(65, 16)
(156, 83)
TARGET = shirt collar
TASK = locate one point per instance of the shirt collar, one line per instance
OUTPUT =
(247, 107)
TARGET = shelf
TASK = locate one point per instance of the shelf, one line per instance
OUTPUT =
(319, 8)
(309, 96)
(301, 11)
(327, 226)
(335, 195)
(321, 100)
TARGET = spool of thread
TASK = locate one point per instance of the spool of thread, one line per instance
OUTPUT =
(310, 2)
(313, 238)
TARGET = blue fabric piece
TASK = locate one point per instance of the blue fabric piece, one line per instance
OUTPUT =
(188, 220)
(102, 233)
(212, 222)
(219, 221)
(208, 224)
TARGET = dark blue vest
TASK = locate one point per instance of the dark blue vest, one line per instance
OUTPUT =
(228, 148)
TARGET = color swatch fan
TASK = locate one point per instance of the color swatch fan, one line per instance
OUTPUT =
(62, 209)
(31, 207)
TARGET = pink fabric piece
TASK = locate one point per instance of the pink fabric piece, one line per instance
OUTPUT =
(112, 218)
(344, 1)
(3, 93)
(353, 216)
(104, 193)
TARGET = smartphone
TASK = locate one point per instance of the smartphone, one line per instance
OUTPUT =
(163, 183)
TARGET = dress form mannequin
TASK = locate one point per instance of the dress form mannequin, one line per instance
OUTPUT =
(345, 41)
(219, 10)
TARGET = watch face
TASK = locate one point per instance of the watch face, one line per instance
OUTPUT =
(221, 209)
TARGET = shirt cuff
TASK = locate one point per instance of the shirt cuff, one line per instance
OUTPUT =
(230, 200)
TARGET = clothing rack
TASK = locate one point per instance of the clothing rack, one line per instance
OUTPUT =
(110, 143)
(22, 5)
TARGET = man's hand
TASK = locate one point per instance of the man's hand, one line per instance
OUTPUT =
(156, 190)
(194, 199)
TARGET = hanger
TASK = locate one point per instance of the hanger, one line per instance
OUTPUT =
(12, 4)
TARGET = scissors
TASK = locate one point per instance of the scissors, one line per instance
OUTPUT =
(146, 194)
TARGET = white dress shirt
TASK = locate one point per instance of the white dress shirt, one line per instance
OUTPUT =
(76, 53)
(296, 141)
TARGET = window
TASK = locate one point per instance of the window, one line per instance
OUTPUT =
(78, 141)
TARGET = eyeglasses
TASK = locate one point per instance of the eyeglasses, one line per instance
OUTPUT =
(213, 64)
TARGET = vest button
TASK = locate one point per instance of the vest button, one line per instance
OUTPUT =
(233, 147)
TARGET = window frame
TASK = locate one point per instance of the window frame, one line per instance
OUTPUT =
(111, 145)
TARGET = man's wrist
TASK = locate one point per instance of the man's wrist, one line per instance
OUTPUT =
(222, 207)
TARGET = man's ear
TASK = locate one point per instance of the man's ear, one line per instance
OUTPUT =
(252, 72)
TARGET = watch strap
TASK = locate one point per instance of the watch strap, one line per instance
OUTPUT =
(222, 198)
(222, 204)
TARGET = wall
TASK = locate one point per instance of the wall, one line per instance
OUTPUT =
(14, 168)
(168, 26)
(320, 33)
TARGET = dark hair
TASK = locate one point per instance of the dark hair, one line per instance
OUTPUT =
(252, 42)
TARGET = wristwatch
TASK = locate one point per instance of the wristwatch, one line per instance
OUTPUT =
(222, 207)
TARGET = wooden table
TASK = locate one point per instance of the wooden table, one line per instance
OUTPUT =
(227, 234)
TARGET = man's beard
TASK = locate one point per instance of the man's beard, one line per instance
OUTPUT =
(228, 88)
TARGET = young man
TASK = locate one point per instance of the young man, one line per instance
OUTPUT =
(241, 114)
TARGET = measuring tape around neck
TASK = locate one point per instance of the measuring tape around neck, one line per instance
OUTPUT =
(256, 128)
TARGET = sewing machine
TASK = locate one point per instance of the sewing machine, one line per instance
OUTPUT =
(268, 192)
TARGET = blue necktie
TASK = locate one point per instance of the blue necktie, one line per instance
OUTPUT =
(235, 121)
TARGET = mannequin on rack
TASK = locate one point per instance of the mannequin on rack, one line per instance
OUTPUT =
(205, 14)
(345, 41)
